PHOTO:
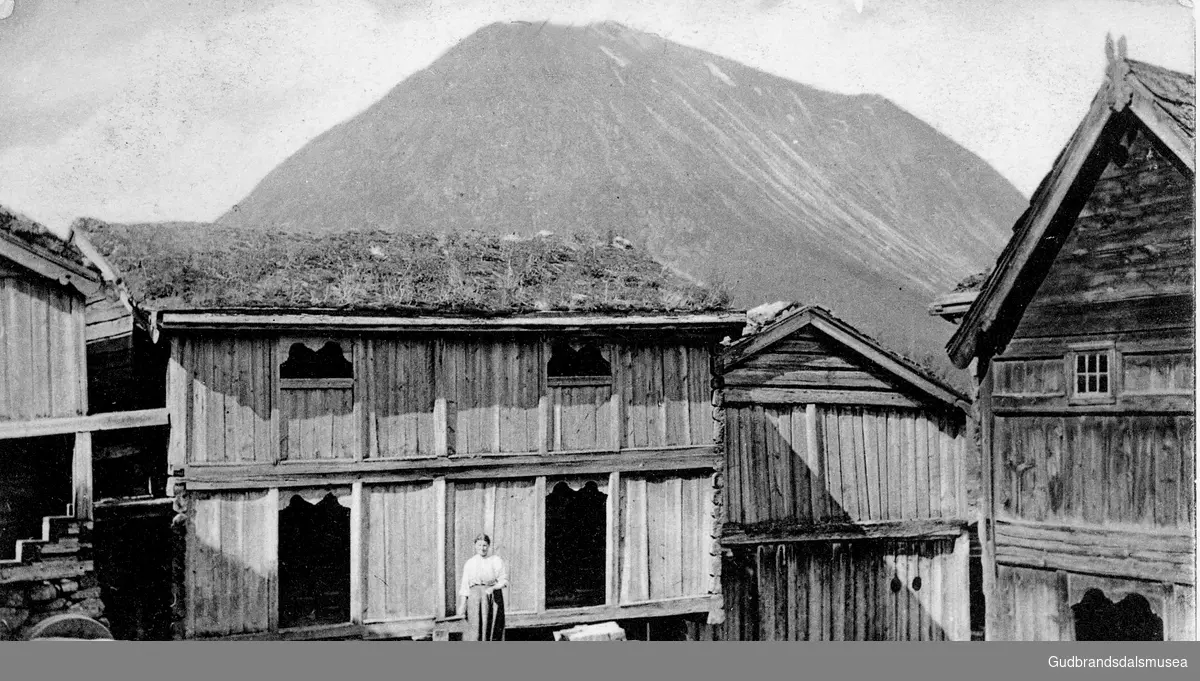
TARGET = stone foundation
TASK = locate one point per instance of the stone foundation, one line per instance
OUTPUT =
(49, 576)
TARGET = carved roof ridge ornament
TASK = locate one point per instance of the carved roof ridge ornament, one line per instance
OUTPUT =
(1120, 92)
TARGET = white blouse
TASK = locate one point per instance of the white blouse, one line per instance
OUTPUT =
(479, 571)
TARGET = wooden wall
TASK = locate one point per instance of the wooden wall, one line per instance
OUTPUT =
(420, 397)
(819, 463)
(1035, 604)
(1099, 469)
(665, 536)
(232, 568)
(849, 591)
(1129, 261)
(401, 551)
(42, 350)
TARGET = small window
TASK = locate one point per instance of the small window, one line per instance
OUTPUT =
(326, 367)
(584, 365)
(314, 562)
(1092, 374)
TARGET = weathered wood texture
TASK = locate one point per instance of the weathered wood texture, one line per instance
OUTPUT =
(811, 464)
(1036, 605)
(232, 566)
(42, 350)
(426, 397)
(507, 511)
(401, 561)
(1160, 556)
(1112, 470)
(849, 591)
(1130, 257)
(223, 412)
(666, 528)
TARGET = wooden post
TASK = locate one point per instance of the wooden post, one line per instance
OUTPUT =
(539, 543)
(987, 515)
(544, 433)
(612, 525)
(271, 551)
(961, 593)
(358, 547)
(616, 405)
(81, 476)
(177, 403)
(441, 418)
(440, 560)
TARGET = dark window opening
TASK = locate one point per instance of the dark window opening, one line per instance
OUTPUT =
(1130, 619)
(314, 563)
(566, 361)
(35, 481)
(978, 602)
(328, 362)
(575, 546)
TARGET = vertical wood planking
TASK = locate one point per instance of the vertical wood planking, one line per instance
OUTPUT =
(612, 539)
(803, 468)
(358, 520)
(830, 442)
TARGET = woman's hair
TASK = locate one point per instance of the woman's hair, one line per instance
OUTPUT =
(483, 537)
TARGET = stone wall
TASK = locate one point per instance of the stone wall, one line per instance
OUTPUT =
(49, 576)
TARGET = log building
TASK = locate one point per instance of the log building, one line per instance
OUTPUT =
(1082, 341)
(331, 466)
(847, 512)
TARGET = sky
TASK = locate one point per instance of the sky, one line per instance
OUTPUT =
(152, 110)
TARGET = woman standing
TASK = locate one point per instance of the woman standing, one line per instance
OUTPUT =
(481, 596)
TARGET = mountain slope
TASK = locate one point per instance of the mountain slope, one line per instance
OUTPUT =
(723, 172)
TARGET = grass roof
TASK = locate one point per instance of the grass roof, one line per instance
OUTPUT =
(204, 266)
(40, 238)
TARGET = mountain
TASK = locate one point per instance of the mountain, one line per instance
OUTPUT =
(724, 172)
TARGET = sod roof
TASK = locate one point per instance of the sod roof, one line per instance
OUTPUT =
(192, 266)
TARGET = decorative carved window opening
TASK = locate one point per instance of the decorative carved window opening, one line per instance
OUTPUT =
(314, 560)
(315, 365)
(1131, 619)
(576, 548)
(577, 365)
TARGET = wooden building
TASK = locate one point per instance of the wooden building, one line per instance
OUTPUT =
(1082, 341)
(847, 513)
(331, 467)
(46, 432)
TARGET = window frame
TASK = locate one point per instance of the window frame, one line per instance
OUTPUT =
(602, 348)
(1081, 350)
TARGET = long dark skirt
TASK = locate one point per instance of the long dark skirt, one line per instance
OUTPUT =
(485, 615)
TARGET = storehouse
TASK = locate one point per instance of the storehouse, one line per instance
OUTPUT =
(350, 410)
(1082, 340)
(845, 489)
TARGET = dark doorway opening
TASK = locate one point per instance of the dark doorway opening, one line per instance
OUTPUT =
(35, 481)
(314, 563)
(1130, 619)
(575, 546)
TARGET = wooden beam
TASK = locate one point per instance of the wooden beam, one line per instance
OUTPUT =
(48, 569)
(322, 321)
(48, 264)
(330, 472)
(612, 543)
(81, 476)
(440, 557)
(735, 535)
(358, 549)
(116, 420)
(818, 396)
(539, 543)
(672, 607)
(1165, 557)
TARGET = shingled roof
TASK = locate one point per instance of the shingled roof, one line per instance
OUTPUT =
(1162, 100)
(189, 266)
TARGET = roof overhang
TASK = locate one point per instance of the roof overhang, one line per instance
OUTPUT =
(1036, 236)
(49, 265)
(175, 321)
(852, 339)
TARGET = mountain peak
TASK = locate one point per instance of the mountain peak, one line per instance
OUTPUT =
(722, 171)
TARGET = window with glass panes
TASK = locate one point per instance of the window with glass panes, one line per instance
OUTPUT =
(1092, 373)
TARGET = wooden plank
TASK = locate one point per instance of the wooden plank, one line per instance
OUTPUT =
(117, 420)
(81, 475)
(831, 442)
(672, 545)
(358, 574)
(675, 397)
(817, 396)
(735, 534)
(802, 466)
(819, 495)
(910, 467)
(747, 478)
(612, 540)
